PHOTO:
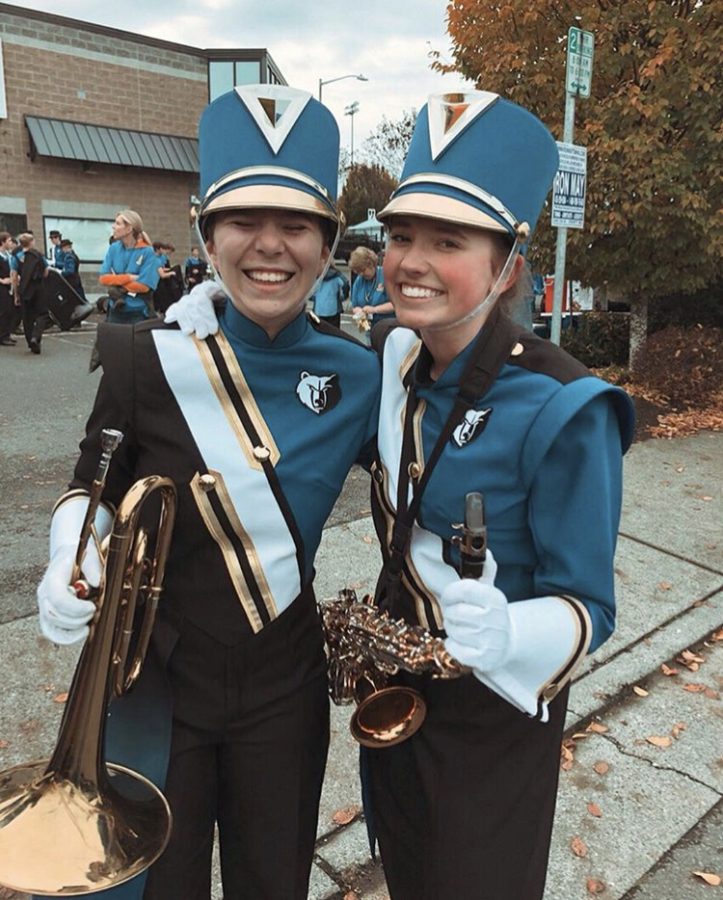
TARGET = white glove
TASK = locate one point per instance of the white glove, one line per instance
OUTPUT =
(195, 313)
(64, 617)
(525, 651)
(477, 620)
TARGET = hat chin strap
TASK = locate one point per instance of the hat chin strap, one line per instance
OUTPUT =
(219, 281)
(485, 305)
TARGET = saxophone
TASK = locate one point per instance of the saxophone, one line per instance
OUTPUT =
(365, 647)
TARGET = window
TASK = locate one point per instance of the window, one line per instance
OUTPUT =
(220, 77)
(89, 236)
(225, 74)
(248, 71)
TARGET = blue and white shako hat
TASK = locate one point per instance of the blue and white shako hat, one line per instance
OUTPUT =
(271, 146)
(477, 160)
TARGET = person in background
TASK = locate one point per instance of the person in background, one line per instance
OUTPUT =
(129, 271)
(169, 287)
(55, 250)
(368, 296)
(330, 295)
(195, 269)
(7, 305)
(71, 267)
(230, 716)
(464, 808)
(31, 267)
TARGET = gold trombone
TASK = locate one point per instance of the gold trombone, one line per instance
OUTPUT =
(75, 824)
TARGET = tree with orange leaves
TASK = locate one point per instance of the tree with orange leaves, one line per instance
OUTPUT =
(652, 128)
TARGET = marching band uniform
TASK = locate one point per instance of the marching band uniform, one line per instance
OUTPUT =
(135, 271)
(464, 808)
(239, 422)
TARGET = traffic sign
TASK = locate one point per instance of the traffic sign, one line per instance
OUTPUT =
(568, 188)
(580, 46)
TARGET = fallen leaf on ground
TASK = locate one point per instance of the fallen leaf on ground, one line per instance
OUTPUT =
(60, 698)
(578, 847)
(4, 745)
(367, 539)
(694, 688)
(709, 877)
(664, 585)
(717, 635)
(711, 694)
(346, 815)
(659, 741)
(595, 886)
(351, 895)
(597, 727)
(641, 692)
(601, 767)
(666, 670)
(687, 657)
(594, 810)
(566, 757)
(677, 729)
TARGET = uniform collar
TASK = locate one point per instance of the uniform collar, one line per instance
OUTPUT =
(236, 325)
(451, 376)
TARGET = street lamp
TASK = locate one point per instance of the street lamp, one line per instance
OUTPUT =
(351, 111)
(340, 78)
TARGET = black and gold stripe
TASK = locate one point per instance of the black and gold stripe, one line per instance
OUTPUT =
(242, 561)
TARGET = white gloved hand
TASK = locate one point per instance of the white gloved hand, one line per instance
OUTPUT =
(64, 617)
(477, 621)
(195, 313)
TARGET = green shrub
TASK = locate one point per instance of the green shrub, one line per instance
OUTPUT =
(684, 364)
(704, 308)
(598, 339)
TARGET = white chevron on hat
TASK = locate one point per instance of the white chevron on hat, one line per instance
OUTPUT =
(450, 114)
(275, 109)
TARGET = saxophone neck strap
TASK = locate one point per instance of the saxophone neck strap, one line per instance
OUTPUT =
(492, 348)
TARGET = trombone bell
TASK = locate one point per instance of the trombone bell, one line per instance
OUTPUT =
(61, 838)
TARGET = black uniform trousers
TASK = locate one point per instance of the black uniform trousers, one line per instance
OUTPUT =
(464, 808)
(35, 313)
(249, 745)
(7, 311)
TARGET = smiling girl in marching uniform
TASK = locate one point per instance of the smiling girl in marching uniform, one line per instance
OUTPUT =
(464, 808)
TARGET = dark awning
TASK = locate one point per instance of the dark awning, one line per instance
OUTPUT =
(113, 146)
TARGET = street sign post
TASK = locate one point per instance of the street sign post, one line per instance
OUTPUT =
(568, 188)
(580, 46)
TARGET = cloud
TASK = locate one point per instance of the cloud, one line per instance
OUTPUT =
(388, 42)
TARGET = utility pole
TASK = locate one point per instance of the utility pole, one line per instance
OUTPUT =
(351, 111)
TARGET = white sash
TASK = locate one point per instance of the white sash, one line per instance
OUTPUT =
(221, 444)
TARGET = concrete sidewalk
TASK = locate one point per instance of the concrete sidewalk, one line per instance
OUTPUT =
(656, 814)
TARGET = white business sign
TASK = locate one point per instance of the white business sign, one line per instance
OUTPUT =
(568, 188)
(580, 47)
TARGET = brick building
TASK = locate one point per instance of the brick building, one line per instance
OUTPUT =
(94, 120)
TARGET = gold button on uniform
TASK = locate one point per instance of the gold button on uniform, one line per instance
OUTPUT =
(262, 453)
(207, 482)
(414, 470)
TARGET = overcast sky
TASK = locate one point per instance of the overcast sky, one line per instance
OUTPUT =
(386, 40)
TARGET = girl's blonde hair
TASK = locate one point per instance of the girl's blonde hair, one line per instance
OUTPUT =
(134, 220)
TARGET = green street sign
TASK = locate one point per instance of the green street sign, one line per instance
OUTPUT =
(580, 46)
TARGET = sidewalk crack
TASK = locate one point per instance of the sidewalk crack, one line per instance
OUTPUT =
(655, 765)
